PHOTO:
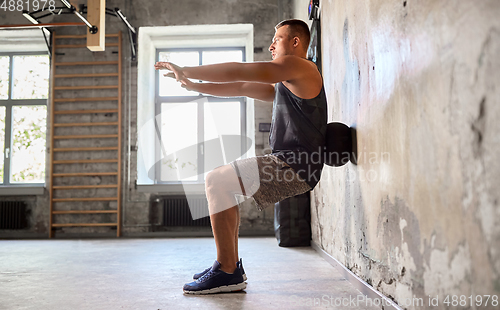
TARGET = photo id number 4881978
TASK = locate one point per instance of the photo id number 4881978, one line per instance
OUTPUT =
(27, 5)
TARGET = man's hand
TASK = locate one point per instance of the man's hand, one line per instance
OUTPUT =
(176, 73)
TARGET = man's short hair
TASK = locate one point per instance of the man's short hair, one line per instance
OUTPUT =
(297, 28)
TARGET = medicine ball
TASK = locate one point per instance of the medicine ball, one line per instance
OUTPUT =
(340, 145)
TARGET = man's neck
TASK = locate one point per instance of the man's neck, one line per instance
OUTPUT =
(301, 55)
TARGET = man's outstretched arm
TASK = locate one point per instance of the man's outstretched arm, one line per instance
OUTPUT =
(286, 68)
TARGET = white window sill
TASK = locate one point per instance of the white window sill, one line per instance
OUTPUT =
(22, 190)
(172, 189)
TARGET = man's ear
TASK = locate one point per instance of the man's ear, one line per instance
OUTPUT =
(296, 41)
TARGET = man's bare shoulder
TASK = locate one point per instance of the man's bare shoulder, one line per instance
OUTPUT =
(307, 67)
(308, 82)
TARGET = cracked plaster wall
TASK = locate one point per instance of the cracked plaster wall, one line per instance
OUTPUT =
(420, 80)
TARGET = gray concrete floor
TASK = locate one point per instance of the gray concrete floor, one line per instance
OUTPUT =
(150, 273)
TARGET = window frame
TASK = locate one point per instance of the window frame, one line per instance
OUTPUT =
(159, 100)
(148, 40)
(9, 104)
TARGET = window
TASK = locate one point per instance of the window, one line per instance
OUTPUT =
(192, 123)
(188, 122)
(24, 85)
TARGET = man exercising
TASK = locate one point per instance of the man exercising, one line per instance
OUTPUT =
(298, 130)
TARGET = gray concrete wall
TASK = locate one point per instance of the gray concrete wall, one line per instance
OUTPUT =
(420, 80)
(136, 210)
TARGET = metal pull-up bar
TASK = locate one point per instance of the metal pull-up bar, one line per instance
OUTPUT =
(95, 11)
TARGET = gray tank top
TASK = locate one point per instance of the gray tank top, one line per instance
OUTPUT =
(298, 131)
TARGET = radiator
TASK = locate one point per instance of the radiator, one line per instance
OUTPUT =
(13, 215)
(176, 211)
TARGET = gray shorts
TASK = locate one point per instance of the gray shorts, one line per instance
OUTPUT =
(268, 180)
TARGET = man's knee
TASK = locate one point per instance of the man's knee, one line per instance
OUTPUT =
(221, 179)
(211, 181)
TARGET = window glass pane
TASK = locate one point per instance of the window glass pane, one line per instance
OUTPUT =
(169, 86)
(222, 118)
(2, 140)
(28, 144)
(4, 77)
(215, 57)
(31, 77)
(179, 135)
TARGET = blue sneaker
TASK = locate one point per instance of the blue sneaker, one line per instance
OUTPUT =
(216, 281)
(239, 264)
